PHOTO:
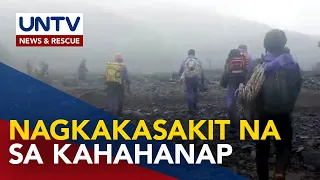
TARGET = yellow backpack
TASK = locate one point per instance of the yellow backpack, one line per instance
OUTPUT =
(114, 72)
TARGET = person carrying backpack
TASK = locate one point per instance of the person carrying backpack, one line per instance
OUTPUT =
(235, 72)
(276, 102)
(244, 51)
(82, 70)
(191, 73)
(44, 69)
(116, 80)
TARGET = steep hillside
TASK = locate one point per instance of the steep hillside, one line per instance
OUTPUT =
(105, 34)
(151, 39)
(213, 34)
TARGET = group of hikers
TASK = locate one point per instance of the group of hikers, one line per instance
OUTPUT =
(276, 100)
(42, 72)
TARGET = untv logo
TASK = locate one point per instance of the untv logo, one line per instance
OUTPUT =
(49, 29)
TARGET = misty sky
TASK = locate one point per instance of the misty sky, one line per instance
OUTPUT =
(297, 15)
(149, 20)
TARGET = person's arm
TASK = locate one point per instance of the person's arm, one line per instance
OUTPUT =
(250, 69)
(202, 77)
(299, 79)
(296, 78)
(224, 77)
(202, 74)
(85, 68)
(225, 71)
(125, 76)
(182, 68)
(128, 81)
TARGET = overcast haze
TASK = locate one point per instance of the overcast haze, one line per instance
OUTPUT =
(154, 35)
(297, 15)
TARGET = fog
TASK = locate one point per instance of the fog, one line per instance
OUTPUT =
(287, 14)
(155, 35)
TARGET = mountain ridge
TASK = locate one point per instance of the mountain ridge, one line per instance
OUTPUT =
(154, 40)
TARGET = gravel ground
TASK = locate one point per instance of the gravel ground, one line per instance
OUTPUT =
(155, 96)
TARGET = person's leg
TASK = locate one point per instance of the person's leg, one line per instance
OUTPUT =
(283, 146)
(189, 87)
(231, 105)
(112, 98)
(262, 150)
(120, 99)
(202, 79)
(108, 94)
(195, 94)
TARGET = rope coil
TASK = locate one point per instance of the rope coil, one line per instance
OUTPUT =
(246, 94)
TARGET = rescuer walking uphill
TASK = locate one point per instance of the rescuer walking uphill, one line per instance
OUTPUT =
(276, 101)
(116, 79)
(43, 73)
(235, 72)
(192, 74)
(82, 71)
